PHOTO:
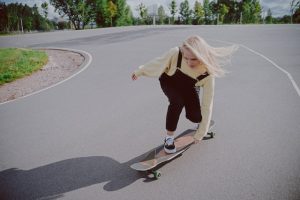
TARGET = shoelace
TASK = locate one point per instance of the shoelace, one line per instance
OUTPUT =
(169, 141)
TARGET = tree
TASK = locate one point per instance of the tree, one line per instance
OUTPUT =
(285, 19)
(19, 17)
(185, 12)
(256, 11)
(207, 11)
(128, 16)
(37, 20)
(198, 13)
(12, 18)
(143, 12)
(112, 11)
(222, 12)
(45, 9)
(246, 10)
(231, 15)
(79, 12)
(85, 11)
(161, 14)
(296, 16)
(269, 17)
(214, 8)
(119, 19)
(102, 16)
(294, 5)
(235, 11)
(25, 16)
(251, 11)
(173, 10)
(3, 18)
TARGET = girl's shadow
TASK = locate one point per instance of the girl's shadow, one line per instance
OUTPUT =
(53, 180)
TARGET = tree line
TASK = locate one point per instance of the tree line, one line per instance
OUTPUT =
(108, 13)
(19, 17)
(103, 13)
(221, 12)
(117, 13)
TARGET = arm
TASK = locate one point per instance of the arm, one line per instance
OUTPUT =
(157, 66)
(206, 107)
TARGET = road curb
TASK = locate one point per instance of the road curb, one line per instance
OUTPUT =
(85, 64)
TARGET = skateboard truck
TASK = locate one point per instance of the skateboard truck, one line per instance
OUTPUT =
(209, 135)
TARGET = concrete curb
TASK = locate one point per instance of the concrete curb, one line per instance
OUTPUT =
(87, 61)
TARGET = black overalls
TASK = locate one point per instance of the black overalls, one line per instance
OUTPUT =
(181, 92)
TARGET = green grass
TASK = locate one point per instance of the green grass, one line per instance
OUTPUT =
(16, 63)
(4, 34)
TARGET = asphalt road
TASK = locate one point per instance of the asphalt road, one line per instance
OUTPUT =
(77, 140)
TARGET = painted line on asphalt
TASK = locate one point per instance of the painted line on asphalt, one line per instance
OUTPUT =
(272, 62)
(87, 56)
(278, 67)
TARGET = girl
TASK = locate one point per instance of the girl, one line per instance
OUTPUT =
(182, 71)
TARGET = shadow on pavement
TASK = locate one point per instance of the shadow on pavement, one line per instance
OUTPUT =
(53, 180)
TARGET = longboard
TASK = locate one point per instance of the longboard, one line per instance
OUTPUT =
(158, 156)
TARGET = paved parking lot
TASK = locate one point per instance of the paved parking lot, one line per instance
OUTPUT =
(77, 140)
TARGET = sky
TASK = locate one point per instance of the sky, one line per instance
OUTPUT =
(279, 8)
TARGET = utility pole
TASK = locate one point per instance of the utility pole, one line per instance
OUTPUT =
(22, 25)
(241, 18)
(154, 12)
(218, 12)
(263, 14)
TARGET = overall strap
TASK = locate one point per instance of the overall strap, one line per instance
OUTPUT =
(202, 76)
(199, 78)
(179, 59)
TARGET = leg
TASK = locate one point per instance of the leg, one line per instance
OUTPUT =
(173, 114)
(176, 104)
(170, 133)
(192, 106)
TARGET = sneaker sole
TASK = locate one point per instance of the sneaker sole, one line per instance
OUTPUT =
(170, 151)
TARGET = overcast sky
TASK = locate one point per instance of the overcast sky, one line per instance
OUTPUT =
(278, 7)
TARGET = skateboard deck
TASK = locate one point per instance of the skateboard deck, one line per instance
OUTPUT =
(158, 156)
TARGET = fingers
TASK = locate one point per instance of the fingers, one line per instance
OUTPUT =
(134, 77)
(196, 141)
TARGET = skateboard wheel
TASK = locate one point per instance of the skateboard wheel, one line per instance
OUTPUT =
(212, 134)
(157, 174)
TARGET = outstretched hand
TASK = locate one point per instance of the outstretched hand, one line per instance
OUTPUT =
(196, 141)
(134, 77)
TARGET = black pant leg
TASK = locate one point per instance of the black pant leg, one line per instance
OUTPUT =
(192, 106)
(176, 104)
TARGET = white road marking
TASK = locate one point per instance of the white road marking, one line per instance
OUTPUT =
(272, 62)
(90, 58)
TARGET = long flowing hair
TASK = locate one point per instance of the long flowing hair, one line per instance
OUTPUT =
(214, 58)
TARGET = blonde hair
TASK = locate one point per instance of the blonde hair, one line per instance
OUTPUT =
(214, 58)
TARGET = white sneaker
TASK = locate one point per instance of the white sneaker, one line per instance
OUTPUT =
(169, 146)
